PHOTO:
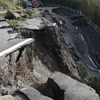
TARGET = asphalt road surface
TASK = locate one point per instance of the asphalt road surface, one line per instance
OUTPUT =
(8, 40)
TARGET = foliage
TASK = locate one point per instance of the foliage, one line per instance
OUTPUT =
(13, 22)
(90, 8)
(24, 4)
(35, 10)
(94, 82)
(84, 69)
(11, 4)
(50, 10)
(24, 86)
(19, 7)
(8, 3)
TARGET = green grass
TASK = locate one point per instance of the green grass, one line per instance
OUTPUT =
(13, 22)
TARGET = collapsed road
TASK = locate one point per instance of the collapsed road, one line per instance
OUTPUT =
(42, 56)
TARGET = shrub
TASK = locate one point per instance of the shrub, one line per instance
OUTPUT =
(84, 69)
(90, 8)
(11, 4)
(94, 82)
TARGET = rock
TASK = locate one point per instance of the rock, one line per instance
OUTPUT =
(20, 83)
(7, 97)
(33, 94)
(23, 15)
(37, 14)
(7, 90)
(2, 19)
(4, 24)
(11, 15)
(66, 88)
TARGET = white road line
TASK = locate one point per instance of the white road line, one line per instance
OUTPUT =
(54, 24)
(15, 47)
(99, 71)
(92, 61)
(76, 28)
(82, 36)
(61, 22)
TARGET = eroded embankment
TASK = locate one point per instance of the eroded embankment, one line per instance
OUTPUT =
(32, 64)
(57, 47)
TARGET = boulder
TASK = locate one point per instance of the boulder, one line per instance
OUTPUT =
(31, 94)
(23, 15)
(66, 88)
(11, 15)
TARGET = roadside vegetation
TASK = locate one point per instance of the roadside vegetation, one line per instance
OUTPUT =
(84, 70)
(24, 14)
(9, 4)
(14, 22)
(90, 8)
(94, 82)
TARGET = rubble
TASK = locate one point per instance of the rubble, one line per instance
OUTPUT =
(11, 15)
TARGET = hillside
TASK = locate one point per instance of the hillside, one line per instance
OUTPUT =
(90, 8)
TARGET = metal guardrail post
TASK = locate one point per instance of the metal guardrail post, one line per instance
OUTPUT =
(80, 12)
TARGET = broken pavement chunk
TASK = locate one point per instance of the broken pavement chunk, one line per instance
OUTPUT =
(33, 24)
(12, 15)
(32, 94)
(71, 89)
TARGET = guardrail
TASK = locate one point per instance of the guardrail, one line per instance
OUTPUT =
(92, 24)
